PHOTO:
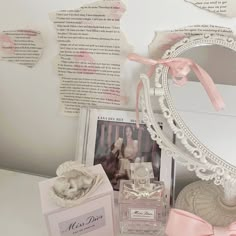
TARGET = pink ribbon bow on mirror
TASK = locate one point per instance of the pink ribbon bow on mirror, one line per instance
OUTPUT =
(179, 69)
(183, 223)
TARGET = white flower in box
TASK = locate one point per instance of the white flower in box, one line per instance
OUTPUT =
(79, 201)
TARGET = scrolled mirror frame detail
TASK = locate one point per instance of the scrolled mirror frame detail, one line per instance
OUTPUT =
(196, 157)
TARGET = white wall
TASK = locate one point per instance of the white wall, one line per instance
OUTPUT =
(34, 136)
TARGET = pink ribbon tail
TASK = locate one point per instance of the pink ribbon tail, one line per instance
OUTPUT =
(146, 61)
(209, 86)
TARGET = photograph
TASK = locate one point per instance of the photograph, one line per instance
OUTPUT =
(111, 138)
(118, 144)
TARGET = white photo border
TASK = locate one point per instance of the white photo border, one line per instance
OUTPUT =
(86, 141)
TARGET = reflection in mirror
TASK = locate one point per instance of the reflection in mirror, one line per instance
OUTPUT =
(216, 130)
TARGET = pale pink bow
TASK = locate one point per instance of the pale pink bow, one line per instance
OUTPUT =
(183, 223)
(179, 69)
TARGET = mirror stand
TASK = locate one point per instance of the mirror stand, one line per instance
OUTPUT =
(209, 202)
(229, 198)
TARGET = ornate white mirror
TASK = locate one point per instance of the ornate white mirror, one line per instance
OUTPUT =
(206, 138)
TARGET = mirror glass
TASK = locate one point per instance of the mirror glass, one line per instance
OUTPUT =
(216, 130)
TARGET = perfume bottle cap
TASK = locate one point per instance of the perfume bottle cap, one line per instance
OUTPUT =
(141, 170)
(142, 184)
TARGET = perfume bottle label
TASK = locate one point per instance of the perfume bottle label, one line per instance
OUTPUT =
(142, 214)
(83, 224)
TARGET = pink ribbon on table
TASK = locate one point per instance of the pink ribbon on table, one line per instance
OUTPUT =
(183, 223)
(179, 69)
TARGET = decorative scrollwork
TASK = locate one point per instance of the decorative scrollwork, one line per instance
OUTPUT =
(198, 158)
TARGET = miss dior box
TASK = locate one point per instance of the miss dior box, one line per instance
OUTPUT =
(92, 217)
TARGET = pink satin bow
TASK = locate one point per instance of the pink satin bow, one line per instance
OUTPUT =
(179, 69)
(183, 223)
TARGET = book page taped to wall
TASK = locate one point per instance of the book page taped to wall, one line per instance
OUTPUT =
(23, 47)
(222, 7)
(92, 53)
(164, 40)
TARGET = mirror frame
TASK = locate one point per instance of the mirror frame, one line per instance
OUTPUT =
(194, 155)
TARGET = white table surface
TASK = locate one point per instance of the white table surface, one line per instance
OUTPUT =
(20, 207)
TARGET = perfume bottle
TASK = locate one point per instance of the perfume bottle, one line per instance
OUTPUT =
(142, 206)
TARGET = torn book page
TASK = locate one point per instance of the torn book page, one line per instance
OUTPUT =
(92, 51)
(164, 40)
(23, 47)
(222, 7)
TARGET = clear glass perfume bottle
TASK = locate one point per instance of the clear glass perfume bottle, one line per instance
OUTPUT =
(142, 207)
